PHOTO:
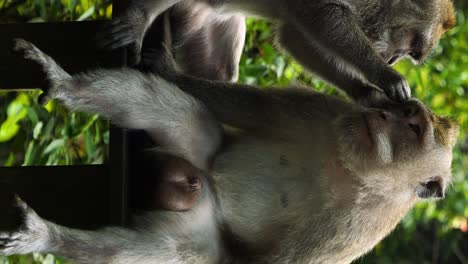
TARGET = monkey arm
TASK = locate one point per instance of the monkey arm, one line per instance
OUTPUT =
(334, 29)
(323, 65)
(252, 108)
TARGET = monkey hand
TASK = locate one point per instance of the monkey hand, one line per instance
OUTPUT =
(158, 61)
(127, 31)
(372, 96)
(394, 85)
(31, 236)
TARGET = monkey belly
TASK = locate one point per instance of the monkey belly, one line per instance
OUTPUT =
(261, 185)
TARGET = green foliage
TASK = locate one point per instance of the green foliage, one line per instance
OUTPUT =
(53, 10)
(31, 259)
(34, 135)
(431, 233)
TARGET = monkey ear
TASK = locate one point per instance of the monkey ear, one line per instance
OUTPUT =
(430, 189)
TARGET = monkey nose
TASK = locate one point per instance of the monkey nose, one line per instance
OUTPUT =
(417, 55)
(415, 118)
(394, 59)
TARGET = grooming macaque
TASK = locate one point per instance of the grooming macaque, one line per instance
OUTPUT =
(304, 177)
(350, 43)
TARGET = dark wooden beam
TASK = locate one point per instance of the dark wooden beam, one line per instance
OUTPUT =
(75, 196)
(61, 194)
(119, 204)
(72, 44)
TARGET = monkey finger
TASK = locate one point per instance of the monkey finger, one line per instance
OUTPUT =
(392, 93)
(407, 90)
(134, 54)
(20, 44)
(115, 42)
(43, 99)
(402, 92)
(5, 236)
(114, 26)
(160, 60)
(149, 56)
(119, 29)
(399, 94)
(116, 37)
(24, 48)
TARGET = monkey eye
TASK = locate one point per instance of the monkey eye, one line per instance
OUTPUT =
(430, 189)
(416, 129)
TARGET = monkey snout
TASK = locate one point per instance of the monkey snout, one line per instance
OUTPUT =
(417, 56)
(394, 59)
(415, 118)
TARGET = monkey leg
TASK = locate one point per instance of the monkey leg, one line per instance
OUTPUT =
(211, 51)
(160, 244)
(178, 122)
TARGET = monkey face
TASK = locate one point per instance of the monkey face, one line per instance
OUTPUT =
(413, 37)
(405, 145)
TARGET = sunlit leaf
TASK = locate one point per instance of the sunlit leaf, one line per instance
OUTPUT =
(87, 14)
(8, 130)
(55, 144)
(37, 130)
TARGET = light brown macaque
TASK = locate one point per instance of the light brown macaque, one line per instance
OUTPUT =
(303, 178)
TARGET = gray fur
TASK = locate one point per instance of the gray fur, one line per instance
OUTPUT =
(346, 42)
(301, 181)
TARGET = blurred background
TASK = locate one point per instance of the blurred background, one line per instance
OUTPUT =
(433, 232)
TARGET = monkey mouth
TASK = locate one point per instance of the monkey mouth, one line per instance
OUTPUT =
(397, 56)
(394, 59)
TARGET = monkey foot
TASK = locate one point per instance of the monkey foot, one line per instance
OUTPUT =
(31, 236)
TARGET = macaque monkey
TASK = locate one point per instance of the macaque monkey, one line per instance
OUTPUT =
(350, 43)
(301, 178)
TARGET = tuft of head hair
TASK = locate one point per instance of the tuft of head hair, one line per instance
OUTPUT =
(448, 18)
(445, 131)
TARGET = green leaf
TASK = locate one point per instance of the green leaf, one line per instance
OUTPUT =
(10, 160)
(37, 130)
(55, 144)
(8, 130)
(87, 14)
(31, 154)
(33, 116)
(49, 128)
(105, 137)
(89, 144)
